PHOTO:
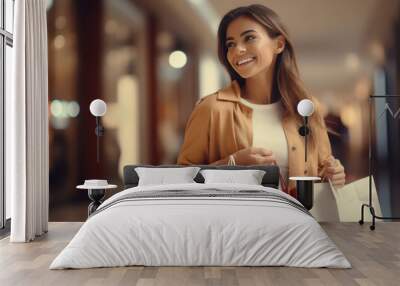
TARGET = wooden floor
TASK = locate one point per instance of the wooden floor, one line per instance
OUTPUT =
(374, 255)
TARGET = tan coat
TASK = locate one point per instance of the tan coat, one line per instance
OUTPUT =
(220, 125)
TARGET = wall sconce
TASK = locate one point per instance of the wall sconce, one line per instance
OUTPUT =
(98, 108)
(305, 185)
(305, 108)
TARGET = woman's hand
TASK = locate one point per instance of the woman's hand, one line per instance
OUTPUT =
(334, 171)
(254, 156)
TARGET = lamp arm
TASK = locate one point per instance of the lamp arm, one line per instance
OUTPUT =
(99, 131)
(305, 137)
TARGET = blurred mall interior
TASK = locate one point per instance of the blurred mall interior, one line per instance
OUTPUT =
(151, 60)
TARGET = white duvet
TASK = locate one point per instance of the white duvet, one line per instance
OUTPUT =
(200, 231)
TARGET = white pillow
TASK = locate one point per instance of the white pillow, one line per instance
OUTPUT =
(248, 177)
(162, 176)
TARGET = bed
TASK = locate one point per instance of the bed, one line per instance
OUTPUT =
(201, 224)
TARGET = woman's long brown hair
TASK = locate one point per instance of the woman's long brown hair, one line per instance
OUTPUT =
(287, 83)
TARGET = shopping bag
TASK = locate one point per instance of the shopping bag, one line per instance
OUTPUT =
(324, 208)
(344, 204)
(350, 197)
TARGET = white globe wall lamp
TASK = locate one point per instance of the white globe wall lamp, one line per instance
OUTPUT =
(98, 108)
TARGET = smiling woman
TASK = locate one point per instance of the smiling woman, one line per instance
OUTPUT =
(254, 121)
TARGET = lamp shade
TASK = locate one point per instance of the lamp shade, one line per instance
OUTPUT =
(305, 107)
(98, 107)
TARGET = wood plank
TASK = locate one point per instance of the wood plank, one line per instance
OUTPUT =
(374, 255)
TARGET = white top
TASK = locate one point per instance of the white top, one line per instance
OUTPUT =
(96, 184)
(90, 187)
(268, 132)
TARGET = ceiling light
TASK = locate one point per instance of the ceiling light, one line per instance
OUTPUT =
(352, 61)
(177, 59)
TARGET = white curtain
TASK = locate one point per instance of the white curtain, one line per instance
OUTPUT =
(27, 124)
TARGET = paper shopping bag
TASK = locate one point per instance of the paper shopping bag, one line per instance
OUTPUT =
(350, 197)
(324, 207)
